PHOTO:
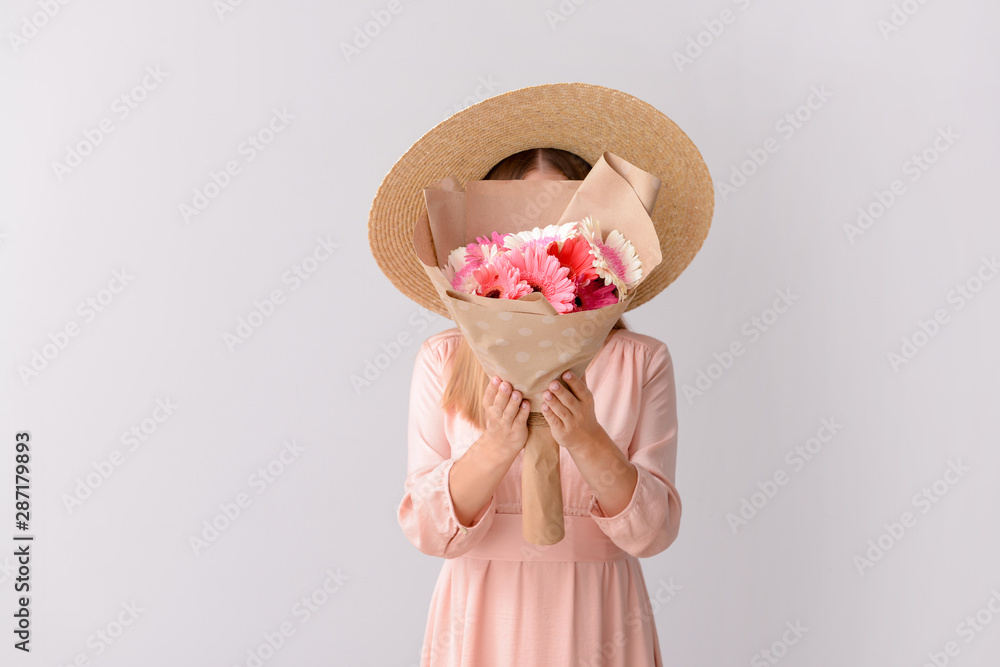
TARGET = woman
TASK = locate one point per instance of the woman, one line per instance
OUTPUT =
(499, 600)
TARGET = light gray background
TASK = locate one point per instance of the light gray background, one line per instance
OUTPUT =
(332, 508)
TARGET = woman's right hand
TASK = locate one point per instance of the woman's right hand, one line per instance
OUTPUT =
(506, 416)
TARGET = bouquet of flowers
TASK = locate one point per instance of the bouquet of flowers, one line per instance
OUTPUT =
(570, 264)
(535, 286)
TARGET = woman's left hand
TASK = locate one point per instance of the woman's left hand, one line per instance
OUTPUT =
(569, 410)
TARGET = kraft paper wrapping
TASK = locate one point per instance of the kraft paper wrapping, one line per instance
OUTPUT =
(525, 341)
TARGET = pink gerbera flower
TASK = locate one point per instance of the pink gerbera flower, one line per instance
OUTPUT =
(595, 294)
(500, 281)
(495, 239)
(483, 251)
(544, 274)
(462, 261)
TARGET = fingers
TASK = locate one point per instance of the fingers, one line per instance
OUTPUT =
(575, 394)
(561, 395)
(506, 401)
(513, 408)
(502, 396)
(549, 412)
(576, 385)
(555, 407)
(491, 392)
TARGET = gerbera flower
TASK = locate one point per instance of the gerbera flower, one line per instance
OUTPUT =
(500, 281)
(483, 251)
(496, 239)
(575, 254)
(595, 294)
(542, 237)
(614, 258)
(459, 272)
(544, 274)
(462, 261)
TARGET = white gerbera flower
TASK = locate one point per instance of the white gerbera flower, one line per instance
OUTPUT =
(458, 270)
(541, 236)
(615, 259)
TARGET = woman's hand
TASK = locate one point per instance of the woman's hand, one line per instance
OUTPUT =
(569, 410)
(506, 416)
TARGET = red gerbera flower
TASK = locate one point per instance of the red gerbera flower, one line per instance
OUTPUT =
(575, 254)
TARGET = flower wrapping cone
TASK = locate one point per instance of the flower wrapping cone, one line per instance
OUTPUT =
(525, 341)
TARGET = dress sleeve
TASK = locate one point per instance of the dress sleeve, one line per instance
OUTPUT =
(427, 511)
(650, 522)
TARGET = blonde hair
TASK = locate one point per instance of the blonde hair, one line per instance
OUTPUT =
(467, 381)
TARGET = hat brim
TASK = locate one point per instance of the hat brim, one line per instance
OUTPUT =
(584, 119)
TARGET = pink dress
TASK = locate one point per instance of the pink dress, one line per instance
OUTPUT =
(501, 601)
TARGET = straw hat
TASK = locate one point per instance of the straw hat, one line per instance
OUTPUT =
(581, 118)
